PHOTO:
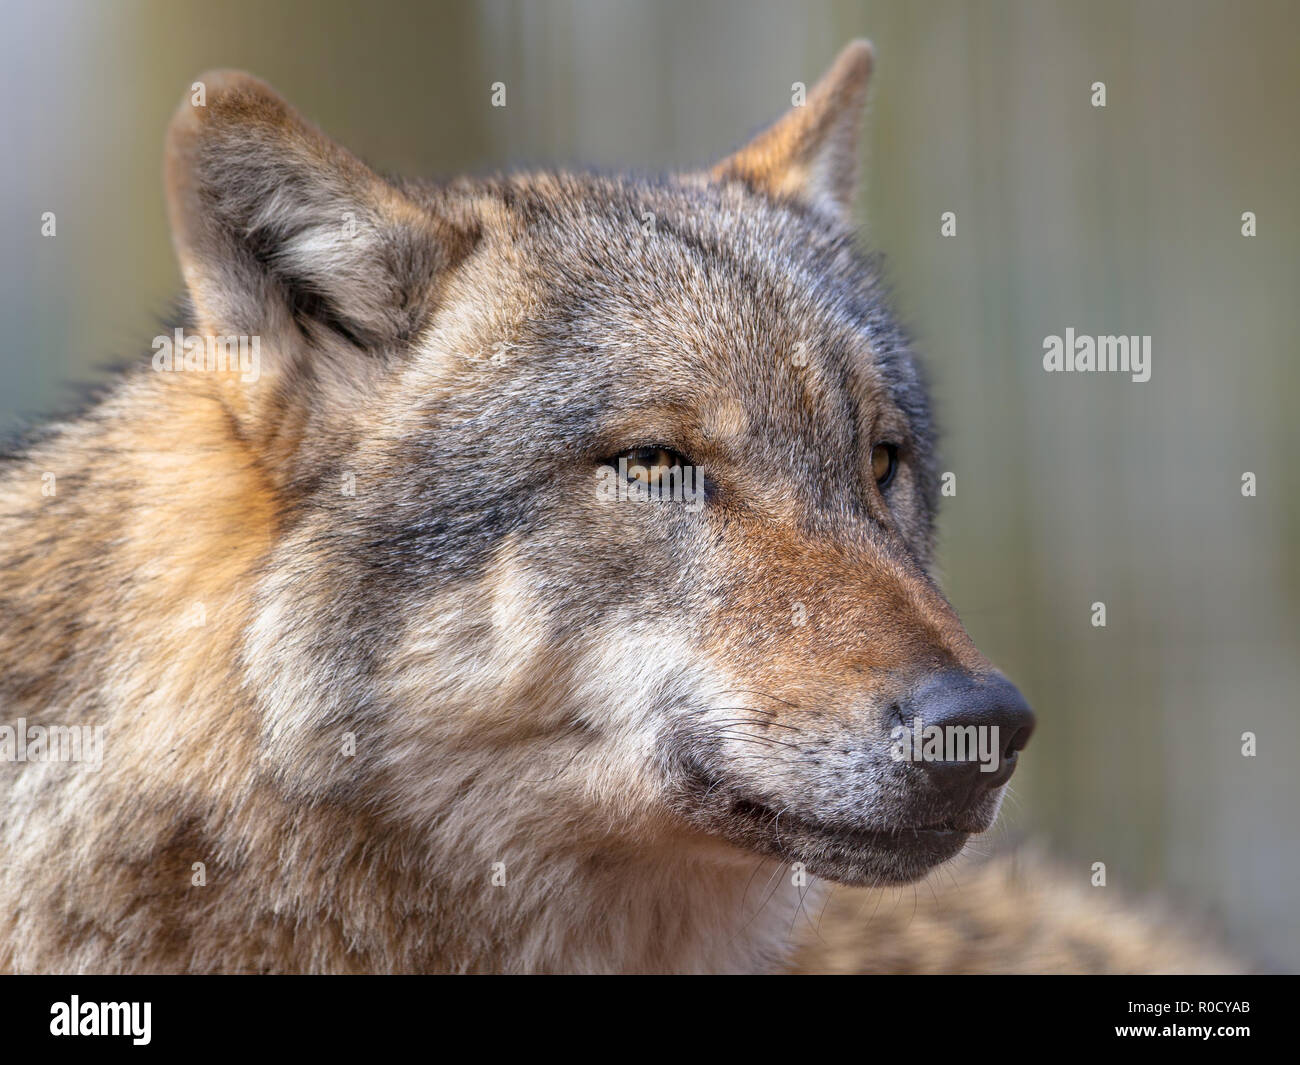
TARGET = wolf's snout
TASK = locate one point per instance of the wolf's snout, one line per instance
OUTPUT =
(975, 724)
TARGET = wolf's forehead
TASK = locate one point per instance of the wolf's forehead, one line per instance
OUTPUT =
(723, 310)
(728, 301)
(711, 267)
(680, 243)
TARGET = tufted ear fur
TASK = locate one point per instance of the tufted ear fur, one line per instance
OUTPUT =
(283, 233)
(811, 154)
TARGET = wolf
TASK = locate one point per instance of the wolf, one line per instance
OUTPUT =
(389, 679)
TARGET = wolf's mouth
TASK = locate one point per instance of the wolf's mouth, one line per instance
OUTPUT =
(838, 851)
(746, 808)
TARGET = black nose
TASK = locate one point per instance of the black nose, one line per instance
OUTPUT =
(970, 730)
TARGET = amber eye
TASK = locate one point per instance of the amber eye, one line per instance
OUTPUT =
(884, 464)
(648, 465)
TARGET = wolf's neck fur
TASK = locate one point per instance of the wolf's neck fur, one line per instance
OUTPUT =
(104, 865)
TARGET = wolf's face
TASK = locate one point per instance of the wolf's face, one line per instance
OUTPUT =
(606, 504)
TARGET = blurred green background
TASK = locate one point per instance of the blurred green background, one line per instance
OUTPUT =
(1071, 489)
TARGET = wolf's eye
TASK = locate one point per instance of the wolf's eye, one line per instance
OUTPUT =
(884, 464)
(647, 465)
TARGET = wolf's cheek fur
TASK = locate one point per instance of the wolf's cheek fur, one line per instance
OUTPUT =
(484, 698)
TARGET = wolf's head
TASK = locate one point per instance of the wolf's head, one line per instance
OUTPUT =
(605, 504)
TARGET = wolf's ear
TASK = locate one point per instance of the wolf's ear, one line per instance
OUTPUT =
(811, 154)
(281, 232)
